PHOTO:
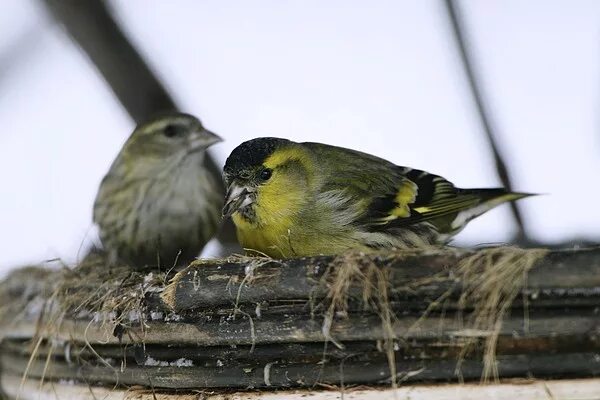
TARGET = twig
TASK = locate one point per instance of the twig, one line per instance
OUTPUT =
(458, 31)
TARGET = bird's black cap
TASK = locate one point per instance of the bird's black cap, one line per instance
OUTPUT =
(252, 153)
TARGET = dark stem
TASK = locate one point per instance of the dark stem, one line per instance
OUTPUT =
(458, 32)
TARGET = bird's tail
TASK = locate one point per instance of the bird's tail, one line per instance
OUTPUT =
(488, 199)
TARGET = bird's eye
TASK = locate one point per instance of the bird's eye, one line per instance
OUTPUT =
(170, 131)
(266, 174)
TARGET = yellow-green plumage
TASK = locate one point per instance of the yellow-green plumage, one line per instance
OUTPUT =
(300, 199)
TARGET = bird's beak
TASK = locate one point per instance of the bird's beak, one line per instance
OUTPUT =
(237, 197)
(203, 139)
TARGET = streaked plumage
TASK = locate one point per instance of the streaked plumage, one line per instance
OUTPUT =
(158, 203)
(300, 199)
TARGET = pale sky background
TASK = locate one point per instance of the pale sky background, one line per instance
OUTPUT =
(379, 76)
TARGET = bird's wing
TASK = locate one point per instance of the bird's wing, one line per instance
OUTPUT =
(417, 196)
(394, 197)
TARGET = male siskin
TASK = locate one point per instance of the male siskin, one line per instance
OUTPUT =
(158, 204)
(302, 199)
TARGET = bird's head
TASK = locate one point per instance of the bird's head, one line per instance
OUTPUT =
(169, 137)
(270, 173)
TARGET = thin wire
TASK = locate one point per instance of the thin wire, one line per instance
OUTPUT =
(458, 31)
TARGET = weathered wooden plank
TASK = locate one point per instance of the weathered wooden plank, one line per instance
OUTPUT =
(209, 285)
(303, 328)
(255, 317)
(282, 374)
(295, 352)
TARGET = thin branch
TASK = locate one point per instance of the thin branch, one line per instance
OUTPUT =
(458, 31)
(93, 28)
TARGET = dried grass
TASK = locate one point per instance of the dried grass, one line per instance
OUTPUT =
(491, 280)
(355, 270)
(110, 296)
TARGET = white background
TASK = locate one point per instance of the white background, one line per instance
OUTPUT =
(379, 76)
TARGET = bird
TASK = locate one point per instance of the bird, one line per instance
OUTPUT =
(158, 204)
(290, 199)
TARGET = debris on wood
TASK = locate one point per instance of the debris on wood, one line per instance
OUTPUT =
(436, 314)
